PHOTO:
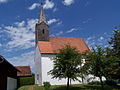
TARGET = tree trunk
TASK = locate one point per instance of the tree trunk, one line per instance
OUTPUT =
(82, 79)
(68, 83)
(101, 82)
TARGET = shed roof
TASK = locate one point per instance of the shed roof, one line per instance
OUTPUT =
(7, 68)
(24, 71)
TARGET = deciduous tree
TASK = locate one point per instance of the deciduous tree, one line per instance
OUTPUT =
(96, 63)
(67, 64)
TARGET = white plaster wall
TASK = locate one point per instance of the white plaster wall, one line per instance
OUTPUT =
(47, 65)
(38, 68)
(44, 64)
(11, 83)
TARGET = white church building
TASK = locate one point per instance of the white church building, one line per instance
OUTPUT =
(46, 50)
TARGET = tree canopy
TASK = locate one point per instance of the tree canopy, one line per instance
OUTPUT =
(67, 64)
(114, 51)
(100, 64)
(115, 43)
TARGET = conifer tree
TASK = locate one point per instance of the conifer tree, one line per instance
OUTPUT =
(115, 43)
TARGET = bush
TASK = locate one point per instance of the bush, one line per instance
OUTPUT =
(94, 83)
(47, 85)
(22, 81)
(111, 82)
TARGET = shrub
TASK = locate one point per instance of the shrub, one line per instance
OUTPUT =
(111, 82)
(22, 81)
(94, 83)
(47, 85)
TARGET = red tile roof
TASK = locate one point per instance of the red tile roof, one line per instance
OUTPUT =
(55, 43)
(24, 71)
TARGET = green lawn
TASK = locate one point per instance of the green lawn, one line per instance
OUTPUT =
(31, 87)
(72, 87)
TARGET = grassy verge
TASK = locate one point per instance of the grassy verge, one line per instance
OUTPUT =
(31, 87)
(72, 87)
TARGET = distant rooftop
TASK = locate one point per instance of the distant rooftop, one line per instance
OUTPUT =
(24, 71)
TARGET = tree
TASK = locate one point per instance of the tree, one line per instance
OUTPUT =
(110, 68)
(114, 51)
(67, 64)
(101, 64)
(96, 63)
(110, 64)
(104, 62)
(115, 43)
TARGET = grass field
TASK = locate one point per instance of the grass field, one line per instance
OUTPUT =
(72, 87)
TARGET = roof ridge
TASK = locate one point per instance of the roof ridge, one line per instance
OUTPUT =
(67, 37)
(85, 44)
(22, 66)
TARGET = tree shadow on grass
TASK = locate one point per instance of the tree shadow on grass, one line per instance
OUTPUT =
(70, 88)
(87, 87)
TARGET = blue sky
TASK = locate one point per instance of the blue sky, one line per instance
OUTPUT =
(92, 20)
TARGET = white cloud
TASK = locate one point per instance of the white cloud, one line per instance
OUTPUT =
(20, 24)
(71, 30)
(68, 2)
(55, 9)
(17, 16)
(21, 35)
(52, 21)
(48, 4)
(0, 44)
(23, 60)
(86, 21)
(101, 38)
(90, 41)
(3, 1)
(52, 35)
(33, 6)
(89, 38)
(59, 23)
(59, 33)
(31, 24)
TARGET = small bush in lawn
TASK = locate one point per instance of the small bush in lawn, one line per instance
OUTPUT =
(47, 85)
(94, 83)
(111, 82)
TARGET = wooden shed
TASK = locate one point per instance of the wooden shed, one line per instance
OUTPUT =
(8, 75)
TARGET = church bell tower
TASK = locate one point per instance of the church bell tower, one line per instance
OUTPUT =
(41, 29)
(41, 34)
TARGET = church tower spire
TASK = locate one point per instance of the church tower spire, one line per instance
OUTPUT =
(42, 16)
(42, 29)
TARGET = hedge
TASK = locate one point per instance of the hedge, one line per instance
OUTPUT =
(22, 81)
